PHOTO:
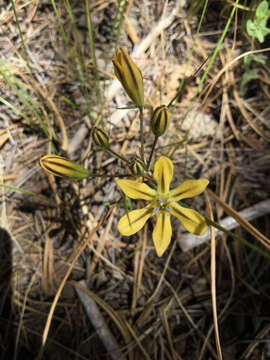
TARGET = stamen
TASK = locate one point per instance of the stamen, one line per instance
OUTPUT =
(155, 210)
(168, 209)
(160, 200)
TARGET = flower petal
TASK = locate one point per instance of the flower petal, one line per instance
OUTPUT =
(188, 189)
(162, 232)
(163, 173)
(192, 221)
(135, 189)
(132, 222)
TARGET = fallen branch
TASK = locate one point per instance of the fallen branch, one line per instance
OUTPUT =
(97, 320)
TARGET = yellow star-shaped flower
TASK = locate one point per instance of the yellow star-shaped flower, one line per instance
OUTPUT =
(163, 203)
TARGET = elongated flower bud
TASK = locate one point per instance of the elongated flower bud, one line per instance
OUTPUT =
(129, 76)
(100, 138)
(60, 166)
(160, 120)
(137, 167)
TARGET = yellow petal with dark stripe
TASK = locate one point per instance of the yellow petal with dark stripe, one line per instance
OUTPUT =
(132, 222)
(62, 167)
(188, 189)
(163, 173)
(136, 190)
(162, 232)
(192, 221)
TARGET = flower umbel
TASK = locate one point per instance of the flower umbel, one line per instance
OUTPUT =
(163, 203)
(129, 75)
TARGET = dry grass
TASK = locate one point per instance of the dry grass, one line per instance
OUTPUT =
(71, 286)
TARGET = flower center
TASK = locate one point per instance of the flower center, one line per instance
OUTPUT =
(162, 203)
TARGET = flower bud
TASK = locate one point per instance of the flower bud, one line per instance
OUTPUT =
(100, 138)
(160, 120)
(60, 166)
(137, 167)
(129, 76)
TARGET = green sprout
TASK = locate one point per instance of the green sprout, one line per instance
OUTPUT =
(258, 27)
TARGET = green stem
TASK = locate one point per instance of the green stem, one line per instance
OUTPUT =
(217, 47)
(152, 152)
(141, 134)
(231, 234)
(92, 47)
(236, 237)
(116, 155)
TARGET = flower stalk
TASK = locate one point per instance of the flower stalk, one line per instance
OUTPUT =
(110, 151)
(159, 124)
(141, 134)
(152, 152)
(101, 139)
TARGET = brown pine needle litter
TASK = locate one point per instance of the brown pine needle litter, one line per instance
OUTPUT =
(71, 286)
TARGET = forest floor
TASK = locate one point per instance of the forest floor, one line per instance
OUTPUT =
(72, 287)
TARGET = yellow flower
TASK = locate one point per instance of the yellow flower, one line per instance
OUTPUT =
(129, 76)
(163, 203)
(60, 166)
